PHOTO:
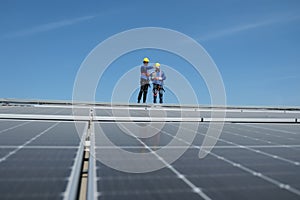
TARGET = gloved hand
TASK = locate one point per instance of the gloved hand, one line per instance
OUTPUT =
(160, 78)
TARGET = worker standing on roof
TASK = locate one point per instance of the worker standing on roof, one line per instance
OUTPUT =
(144, 82)
(157, 78)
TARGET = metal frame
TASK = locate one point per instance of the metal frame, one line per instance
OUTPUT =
(73, 183)
(148, 119)
(92, 180)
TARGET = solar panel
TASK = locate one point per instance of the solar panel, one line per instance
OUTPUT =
(45, 154)
(37, 158)
(240, 166)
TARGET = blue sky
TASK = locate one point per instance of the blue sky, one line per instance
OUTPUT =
(255, 45)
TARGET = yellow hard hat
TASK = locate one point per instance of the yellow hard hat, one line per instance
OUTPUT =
(157, 65)
(146, 60)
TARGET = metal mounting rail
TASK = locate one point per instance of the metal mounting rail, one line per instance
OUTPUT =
(92, 180)
(73, 182)
(147, 119)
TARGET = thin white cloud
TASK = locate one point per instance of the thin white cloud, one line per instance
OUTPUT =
(283, 78)
(245, 27)
(49, 26)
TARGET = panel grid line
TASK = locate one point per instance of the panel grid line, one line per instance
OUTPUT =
(195, 189)
(238, 165)
(259, 151)
(26, 143)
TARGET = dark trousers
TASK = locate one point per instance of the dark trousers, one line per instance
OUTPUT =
(158, 89)
(143, 90)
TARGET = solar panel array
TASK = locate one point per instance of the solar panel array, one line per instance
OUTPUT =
(42, 153)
